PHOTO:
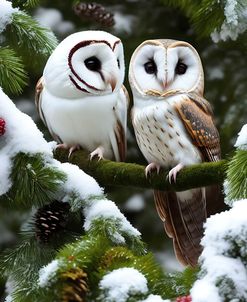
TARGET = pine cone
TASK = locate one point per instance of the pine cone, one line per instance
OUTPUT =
(75, 286)
(94, 12)
(184, 299)
(51, 219)
(2, 126)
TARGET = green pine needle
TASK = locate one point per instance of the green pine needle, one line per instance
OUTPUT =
(13, 76)
(25, 3)
(34, 182)
(237, 176)
(28, 37)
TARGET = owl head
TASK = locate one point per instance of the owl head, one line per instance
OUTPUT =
(85, 63)
(164, 66)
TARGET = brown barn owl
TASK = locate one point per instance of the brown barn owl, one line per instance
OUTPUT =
(174, 128)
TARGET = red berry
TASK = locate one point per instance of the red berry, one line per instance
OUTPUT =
(2, 126)
(184, 299)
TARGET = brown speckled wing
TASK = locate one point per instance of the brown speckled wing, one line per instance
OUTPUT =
(183, 221)
(196, 115)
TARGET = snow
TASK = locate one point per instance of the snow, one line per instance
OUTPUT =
(116, 290)
(123, 23)
(8, 299)
(227, 200)
(241, 142)
(154, 298)
(47, 272)
(204, 291)
(225, 246)
(79, 182)
(53, 19)
(6, 11)
(135, 203)
(21, 135)
(106, 209)
(235, 21)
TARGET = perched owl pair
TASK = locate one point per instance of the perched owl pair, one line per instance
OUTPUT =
(82, 101)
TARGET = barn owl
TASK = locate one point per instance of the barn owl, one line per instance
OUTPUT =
(174, 127)
(81, 97)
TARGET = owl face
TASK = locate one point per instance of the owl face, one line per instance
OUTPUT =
(85, 63)
(166, 65)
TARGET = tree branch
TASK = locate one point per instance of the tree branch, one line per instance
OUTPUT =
(109, 173)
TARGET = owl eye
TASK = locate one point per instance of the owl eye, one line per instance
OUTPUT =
(150, 67)
(93, 64)
(180, 68)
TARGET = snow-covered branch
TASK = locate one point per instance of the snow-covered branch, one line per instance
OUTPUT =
(132, 175)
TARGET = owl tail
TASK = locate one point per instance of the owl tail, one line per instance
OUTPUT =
(183, 214)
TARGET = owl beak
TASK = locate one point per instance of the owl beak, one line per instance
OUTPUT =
(113, 83)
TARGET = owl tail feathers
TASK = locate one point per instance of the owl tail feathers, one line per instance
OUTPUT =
(183, 214)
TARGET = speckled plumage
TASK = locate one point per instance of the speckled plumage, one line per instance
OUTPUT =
(174, 127)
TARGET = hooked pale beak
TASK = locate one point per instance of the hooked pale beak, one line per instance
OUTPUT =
(113, 83)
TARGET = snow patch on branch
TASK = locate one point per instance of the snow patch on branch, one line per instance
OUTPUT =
(48, 272)
(120, 284)
(223, 260)
(6, 12)
(22, 135)
(241, 142)
(154, 298)
(106, 209)
(79, 182)
(235, 21)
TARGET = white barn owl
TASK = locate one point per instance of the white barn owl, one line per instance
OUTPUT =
(174, 128)
(81, 97)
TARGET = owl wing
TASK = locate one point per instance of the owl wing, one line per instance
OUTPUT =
(38, 102)
(120, 111)
(184, 213)
(197, 117)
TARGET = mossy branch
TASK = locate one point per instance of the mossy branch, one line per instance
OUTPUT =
(109, 173)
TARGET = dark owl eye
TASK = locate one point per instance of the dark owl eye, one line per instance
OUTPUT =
(150, 67)
(93, 64)
(180, 68)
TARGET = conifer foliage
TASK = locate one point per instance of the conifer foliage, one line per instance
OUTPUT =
(74, 243)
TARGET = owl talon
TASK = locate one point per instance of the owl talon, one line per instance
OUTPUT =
(150, 167)
(72, 149)
(62, 146)
(97, 152)
(173, 173)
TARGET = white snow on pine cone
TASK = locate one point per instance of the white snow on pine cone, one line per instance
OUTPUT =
(21, 135)
(6, 12)
(155, 298)
(241, 142)
(224, 233)
(48, 272)
(121, 283)
(107, 209)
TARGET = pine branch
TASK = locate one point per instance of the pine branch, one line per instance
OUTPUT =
(34, 42)
(132, 175)
(12, 73)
